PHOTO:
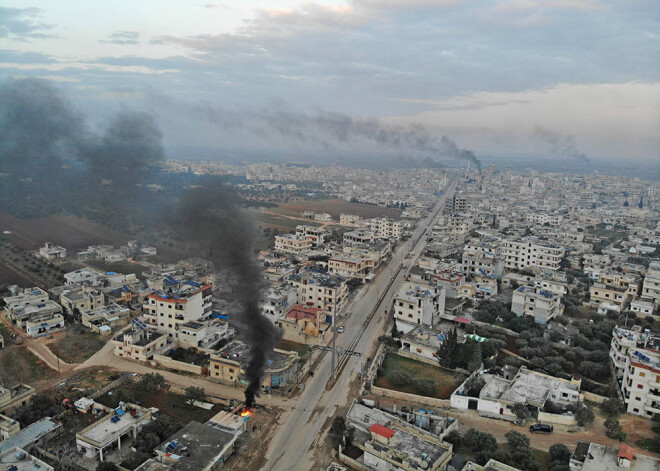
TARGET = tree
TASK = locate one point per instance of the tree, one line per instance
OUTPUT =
(339, 433)
(454, 438)
(584, 415)
(424, 387)
(474, 385)
(614, 429)
(194, 394)
(448, 351)
(520, 454)
(151, 382)
(521, 411)
(399, 378)
(478, 440)
(612, 407)
(559, 453)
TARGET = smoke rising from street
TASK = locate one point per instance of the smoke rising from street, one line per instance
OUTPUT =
(213, 220)
(561, 145)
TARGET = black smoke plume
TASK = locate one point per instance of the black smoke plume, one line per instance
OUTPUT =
(213, 220)
(322, 128)
(41, 130)
(561, 145)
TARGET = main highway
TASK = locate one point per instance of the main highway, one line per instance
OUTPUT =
(293, 445)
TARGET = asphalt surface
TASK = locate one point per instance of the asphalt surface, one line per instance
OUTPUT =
(292, 447)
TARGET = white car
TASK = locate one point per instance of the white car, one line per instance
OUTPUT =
(340, 329)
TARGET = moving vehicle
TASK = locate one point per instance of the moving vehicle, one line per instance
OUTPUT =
(541, 428)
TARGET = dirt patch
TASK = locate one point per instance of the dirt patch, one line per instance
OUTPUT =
(76, 344)
(445, 381)
(335, 207)
(250, 451)
(18, 364)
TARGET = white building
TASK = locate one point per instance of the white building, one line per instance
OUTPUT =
(385, 228)
(417, 303)
(542, 305)
(51, 252)
(636, 359)
(323, 291)
(651, 286)
(32, 311)
(292, 244)
(183, 302)
(520, 254)
(277, 301)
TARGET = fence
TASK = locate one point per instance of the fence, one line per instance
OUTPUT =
(402, 396)
(167, 362)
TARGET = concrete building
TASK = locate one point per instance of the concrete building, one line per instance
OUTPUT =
(15, 396)
(227, 366)
(292, 244)
(196, 447)
(315, 234)
(84, 276)
(651, 286)
(32, 311)
(390, 443)
(597, 457)
(112, 315)
(419, 304)
(479, 263)
(277, 301)
(358, 236)
(81, 298)
(51, 252)
(423, 341)
(139, 344)
(456, 204)
(520, 254)
(351, 266)
(305, 325)
(184, 301)
(385, 228)
(17, 459)
(499, 395)
(204, 335)
(98, 438)
(8, 427)
(642, 308)
(36, 434)
(636, 359)
(349, 219)
(542, 305)
(323, 291)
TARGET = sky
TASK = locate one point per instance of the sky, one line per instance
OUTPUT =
(545, 78)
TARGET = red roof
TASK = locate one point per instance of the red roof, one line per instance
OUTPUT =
(626, 452)
(462, 320)
(299, 312)
(382, 430)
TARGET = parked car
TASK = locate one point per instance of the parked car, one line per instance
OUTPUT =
(340, 329)
(541, 428)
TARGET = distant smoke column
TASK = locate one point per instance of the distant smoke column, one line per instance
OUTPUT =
(213, 220)
(561, 145)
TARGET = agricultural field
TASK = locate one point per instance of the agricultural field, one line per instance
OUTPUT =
(71, 232)
(18, 364)
(445, 382)
(336, 206)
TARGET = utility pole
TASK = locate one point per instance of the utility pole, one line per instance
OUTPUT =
(334, 334)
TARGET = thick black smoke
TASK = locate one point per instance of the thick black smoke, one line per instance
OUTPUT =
(561, 145)
(40, 131)
(213, 220)
(322, 128)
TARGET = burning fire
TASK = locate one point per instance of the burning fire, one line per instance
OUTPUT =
(245, 413)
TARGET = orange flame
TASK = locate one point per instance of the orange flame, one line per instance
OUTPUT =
(245, 413)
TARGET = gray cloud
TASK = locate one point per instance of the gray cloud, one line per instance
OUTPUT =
(122, 38)
(22, 24)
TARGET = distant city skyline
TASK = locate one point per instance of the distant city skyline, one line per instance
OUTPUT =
(489, 75)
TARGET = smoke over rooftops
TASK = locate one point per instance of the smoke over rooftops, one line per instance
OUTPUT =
(561, 145)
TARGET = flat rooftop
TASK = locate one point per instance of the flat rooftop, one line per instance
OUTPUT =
(107, 430)
(196, 446)
(30, 434)
(10, 460)
(601, 458)
(240, 352)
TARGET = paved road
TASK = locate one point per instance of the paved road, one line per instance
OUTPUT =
(291, 447)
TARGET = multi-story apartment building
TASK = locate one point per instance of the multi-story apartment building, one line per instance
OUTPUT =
(323, 291)
(315, 234)
(385, 228)
(635, 355)
(482, 263)
(610, 295)
(359, 236)
(419, 304)
(277, 301)
(544, 219)
(542, 305)
(351, 265)
(32, 311)
(520, 254)
(651, 286)
(83, 299)
(16, 396)
(456, 204)
(349, 219)
(184, 301)
(293, 244)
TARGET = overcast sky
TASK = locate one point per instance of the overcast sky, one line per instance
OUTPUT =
(489, 74)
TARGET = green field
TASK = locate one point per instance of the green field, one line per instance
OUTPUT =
(446, 382)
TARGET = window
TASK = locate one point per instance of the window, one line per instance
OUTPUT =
(642, 374)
